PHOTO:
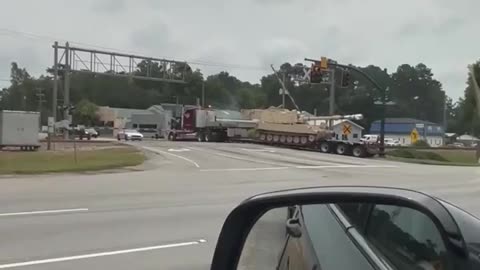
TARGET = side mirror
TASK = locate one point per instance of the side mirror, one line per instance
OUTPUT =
(345, 228)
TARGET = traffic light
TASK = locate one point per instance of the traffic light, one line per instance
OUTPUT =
(346, 78)
(316, 74)
(324, 63)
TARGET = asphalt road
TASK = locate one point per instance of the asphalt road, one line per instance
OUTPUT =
(169, 216)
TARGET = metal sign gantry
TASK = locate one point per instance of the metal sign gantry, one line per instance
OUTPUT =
(108, 63)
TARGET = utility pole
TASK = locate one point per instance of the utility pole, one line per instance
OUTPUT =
(283, 90)
(40, 96)
(66, 96)
(203, 93)
(55, 82)
(331, 108)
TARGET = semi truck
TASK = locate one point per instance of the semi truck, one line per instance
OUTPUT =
(209, 125)
(272, 126)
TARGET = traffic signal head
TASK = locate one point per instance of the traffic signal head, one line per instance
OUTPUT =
(346, 78)
(324, 63)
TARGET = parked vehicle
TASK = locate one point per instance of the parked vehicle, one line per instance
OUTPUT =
(92, 132)
(129, 135)
(391, 142)
(370, 138)
(19, 129)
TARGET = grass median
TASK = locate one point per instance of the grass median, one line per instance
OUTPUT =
(433, 156)
(65, 161)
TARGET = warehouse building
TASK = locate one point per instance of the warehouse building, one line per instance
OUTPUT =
(406, 129)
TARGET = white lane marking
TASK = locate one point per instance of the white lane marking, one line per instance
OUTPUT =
(167, 153)
(297, 167)
(270, 150)
(345, 166)
(178, 150)
(245, 169)
(101, 254)
(240, 158)
(57, 211)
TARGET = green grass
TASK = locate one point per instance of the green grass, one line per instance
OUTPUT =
(88, 160)
(435, 156)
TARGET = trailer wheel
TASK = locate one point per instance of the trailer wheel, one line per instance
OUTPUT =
(118, 137)
(263, 137)
(358, 151)
(342, 149)
(283, 138)
(296, 139)
(289, 139)
(269, 138)
(325, 147)
(276, 138)
(172, 136)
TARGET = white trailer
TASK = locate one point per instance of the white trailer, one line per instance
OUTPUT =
(19, 129)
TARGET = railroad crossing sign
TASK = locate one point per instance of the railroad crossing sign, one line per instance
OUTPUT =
(414, 136)
(347, 129)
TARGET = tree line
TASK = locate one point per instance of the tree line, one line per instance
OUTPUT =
(413, 89)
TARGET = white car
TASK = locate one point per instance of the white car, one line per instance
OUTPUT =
(369, 138)
(129, 135)
(391, 142)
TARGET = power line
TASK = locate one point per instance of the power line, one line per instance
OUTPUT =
(9, 32)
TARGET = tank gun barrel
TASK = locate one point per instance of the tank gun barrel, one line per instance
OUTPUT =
(334, 117)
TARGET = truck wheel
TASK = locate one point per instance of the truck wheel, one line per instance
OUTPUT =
(118, 137)
(209, 137)
(325, 147)
(358, 151)
(342, 149)
(200, 137)
(172, 136)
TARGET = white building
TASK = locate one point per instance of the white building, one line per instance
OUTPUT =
(345, 130)
(401, 129)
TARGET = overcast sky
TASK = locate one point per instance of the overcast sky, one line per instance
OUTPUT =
(251, 34)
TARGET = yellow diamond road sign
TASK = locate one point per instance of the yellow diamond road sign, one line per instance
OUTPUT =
(414, 135)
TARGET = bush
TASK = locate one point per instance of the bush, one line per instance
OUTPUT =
(421, 143)
(410, 153)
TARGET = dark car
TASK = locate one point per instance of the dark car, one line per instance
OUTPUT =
(403, 238)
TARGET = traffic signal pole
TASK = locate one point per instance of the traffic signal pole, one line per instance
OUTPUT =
(383, 97)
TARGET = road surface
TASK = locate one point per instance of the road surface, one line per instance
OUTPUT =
(169, 216)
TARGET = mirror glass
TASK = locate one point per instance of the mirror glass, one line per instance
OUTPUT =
(344, 237)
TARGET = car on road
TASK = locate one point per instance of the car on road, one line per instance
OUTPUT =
(129, 135)
(391, 142)
(92, 132)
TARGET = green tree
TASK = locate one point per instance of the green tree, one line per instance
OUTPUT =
(85, 113)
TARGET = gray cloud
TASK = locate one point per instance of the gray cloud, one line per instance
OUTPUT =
(254, 33)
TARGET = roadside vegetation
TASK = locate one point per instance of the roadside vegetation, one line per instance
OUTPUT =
(435, 156)
(67, 161)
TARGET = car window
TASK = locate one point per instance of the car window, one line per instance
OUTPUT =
(334, 249)
(407, 237)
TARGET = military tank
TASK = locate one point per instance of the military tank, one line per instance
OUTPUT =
(291, 128)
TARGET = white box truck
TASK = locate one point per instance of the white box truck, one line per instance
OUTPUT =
(19, 129)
